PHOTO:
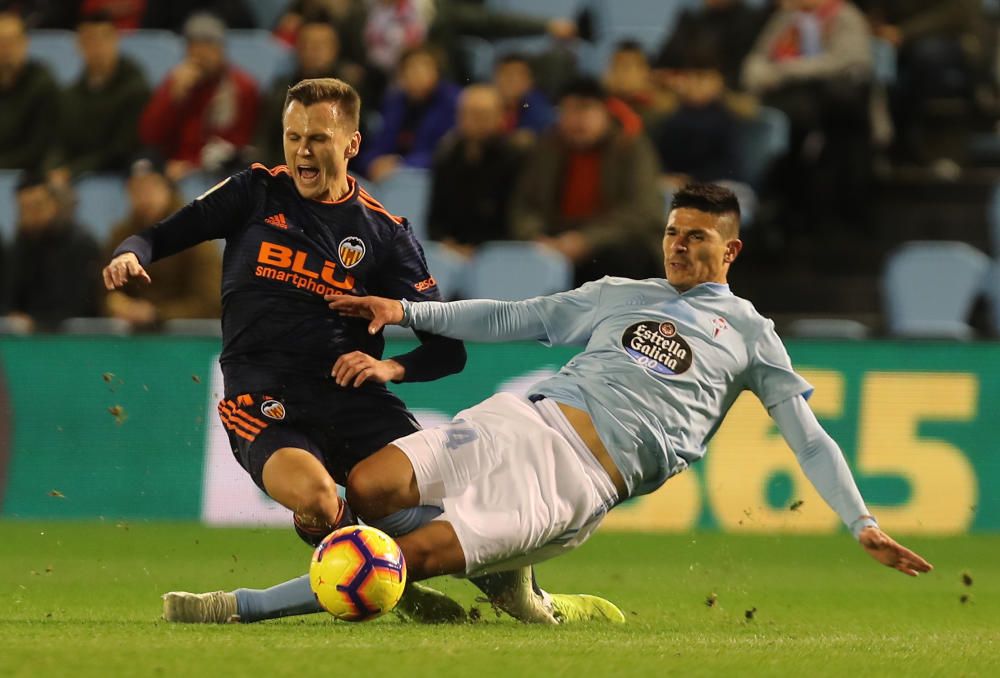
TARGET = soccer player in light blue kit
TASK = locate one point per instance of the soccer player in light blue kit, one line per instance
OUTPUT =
(519, 480)
(514, 481)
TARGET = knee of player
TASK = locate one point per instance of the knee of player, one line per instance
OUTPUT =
(365, 493)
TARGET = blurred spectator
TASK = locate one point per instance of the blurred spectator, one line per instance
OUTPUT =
(204, 112)
(317, 55)
(347, 16)
(186, 284)
(940, 53)
(173, 15)
(456, 18)
(417, 112)
(54, 264)
(727, 28)
(44, 13)
(699, 139)
(28, 98)
(589, 191)
(392, 28)
(629, 78)
(814, 62)
(474, 172)
(126, 15)
(109, 96)
(526, 110)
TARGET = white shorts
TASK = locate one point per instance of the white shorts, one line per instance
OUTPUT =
(514, 480)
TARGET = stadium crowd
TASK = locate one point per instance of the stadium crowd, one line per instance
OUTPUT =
(480, 124)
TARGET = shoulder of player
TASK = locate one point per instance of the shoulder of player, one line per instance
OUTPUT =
(376, 211)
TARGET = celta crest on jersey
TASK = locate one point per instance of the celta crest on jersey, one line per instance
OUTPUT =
(273, 409)
(656, 346)
(351, 251)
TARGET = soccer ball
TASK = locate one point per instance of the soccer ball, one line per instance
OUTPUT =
(357, 573)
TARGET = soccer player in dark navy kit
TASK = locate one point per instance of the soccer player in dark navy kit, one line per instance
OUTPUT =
(305, 394)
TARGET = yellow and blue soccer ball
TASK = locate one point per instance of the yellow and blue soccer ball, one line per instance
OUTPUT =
(357, 573)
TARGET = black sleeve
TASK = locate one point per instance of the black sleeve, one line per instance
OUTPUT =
(216, 214)
(405, 276)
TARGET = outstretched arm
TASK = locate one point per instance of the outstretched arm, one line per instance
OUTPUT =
(823, 463)
(476, 320)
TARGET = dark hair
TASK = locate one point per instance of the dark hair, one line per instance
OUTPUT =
(709, 198)
(585, 88)
(629, 45)
(416, 50)
(30, 179)
(512, 58)
(319, 90)
(99, 16)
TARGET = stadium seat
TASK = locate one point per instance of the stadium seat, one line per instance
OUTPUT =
(483, 54)
(647, 21)
(57, 50)
(196, 184)
(154, 51)
(111, 326)
(8, 205)
(193, 327)
(763, 139)
(513, 270)
(101, 203)
(546, 8)
(406, 193)
(258, 53)
(884, 55)
(267, 12)
(828, 328)
(928, 288)
(447, 267)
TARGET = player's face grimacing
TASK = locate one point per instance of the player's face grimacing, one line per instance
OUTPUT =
(698, 247)
(318, 144)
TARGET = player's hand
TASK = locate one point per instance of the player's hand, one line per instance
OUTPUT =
(123, 268)
(379, 310)
(355, 368)
(887, 551)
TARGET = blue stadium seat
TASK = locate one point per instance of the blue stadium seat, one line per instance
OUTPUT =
(448, 268)
(929, 288)
(884, 55)
(8, 205)
(267, 12)
(406, 193)
(545, 8)
(513, 270)
(197, 183)
(763, 139)
(101, 203)
(57, 50)
(647, 21)
(259, 54)
(154, 51)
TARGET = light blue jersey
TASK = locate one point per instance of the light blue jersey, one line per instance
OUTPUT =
(659, 371)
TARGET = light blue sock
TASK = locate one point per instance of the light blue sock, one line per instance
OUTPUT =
(407, 520)
(284, 600)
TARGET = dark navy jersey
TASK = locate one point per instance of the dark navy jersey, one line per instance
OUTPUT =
(283, 253)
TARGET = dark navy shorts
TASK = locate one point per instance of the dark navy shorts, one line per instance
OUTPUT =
(339, 428)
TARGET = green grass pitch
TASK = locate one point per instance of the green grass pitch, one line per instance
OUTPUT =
(82, 599)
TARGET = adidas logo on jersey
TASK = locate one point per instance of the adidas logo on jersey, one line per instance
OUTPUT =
(277, 220)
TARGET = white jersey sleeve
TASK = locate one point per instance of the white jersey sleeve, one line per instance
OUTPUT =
(769, 374)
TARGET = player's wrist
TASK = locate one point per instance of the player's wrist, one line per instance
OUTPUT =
(405, 317)
(861, 523)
